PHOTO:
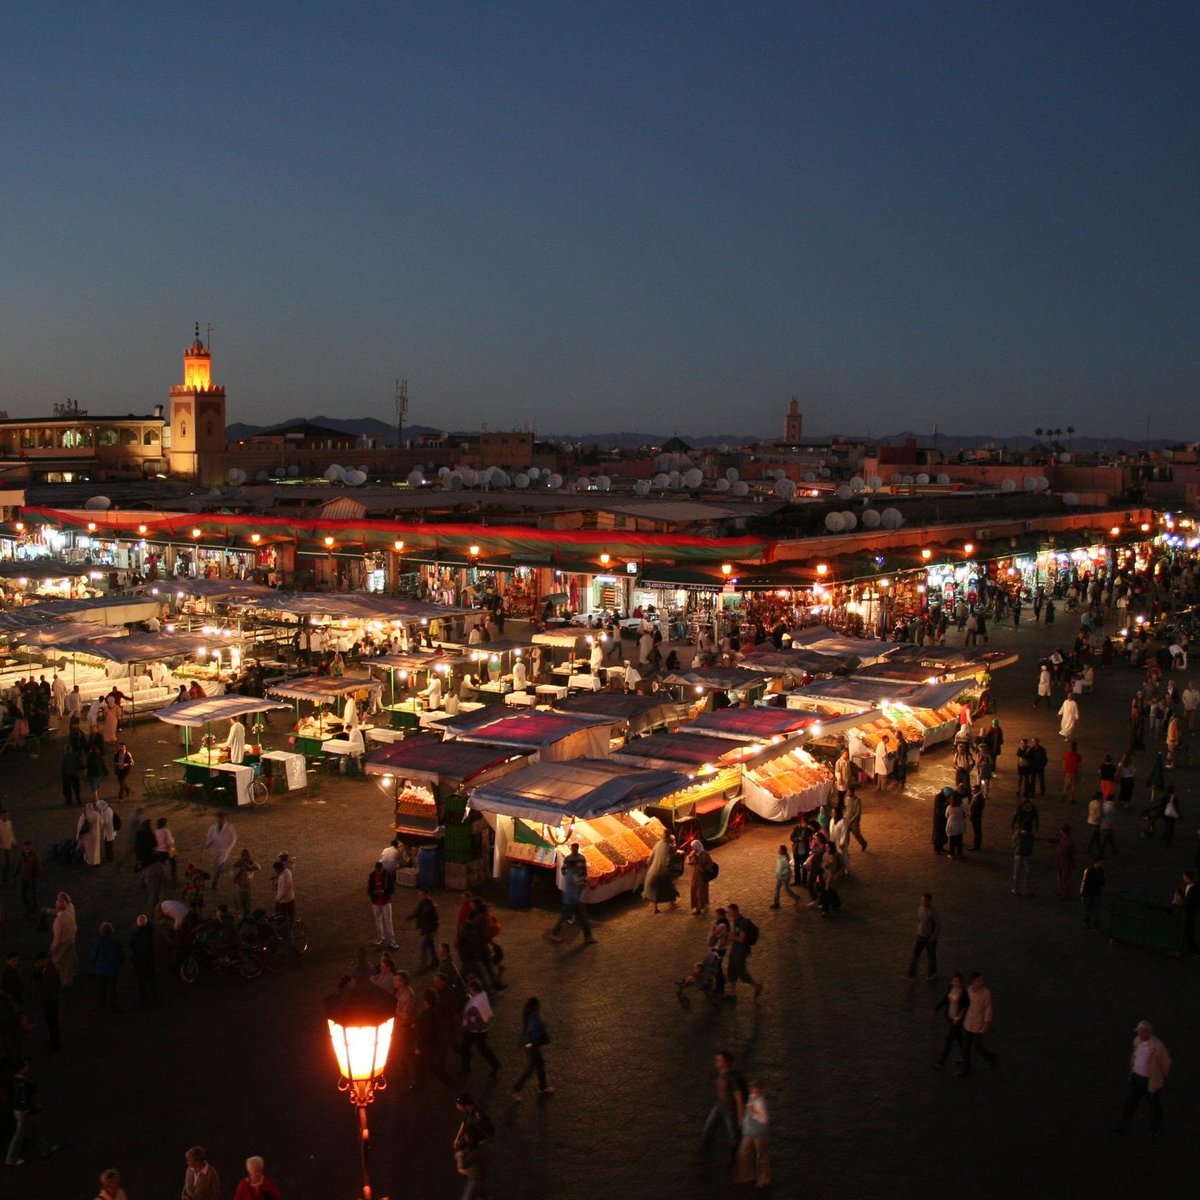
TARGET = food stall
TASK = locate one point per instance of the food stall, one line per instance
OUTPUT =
(757, 724)
(784, 785)
(825, 641)
(708, 804)
(798, 661)
(539, 811)
(570, 654)
(637, 715)
(415, 672)
(545, 735)
(334, 727)
(428, 781)
(934, 708)
(208, 766)
(721, 686)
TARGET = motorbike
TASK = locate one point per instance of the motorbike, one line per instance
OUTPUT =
(211, 953)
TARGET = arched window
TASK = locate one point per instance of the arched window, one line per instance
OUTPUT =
(108, 436)
(151, 438)
(129, 436)
(183, 429)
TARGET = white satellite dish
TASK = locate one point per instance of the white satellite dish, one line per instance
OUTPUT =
(416, 478)
(1070, 499)
(521, 481)
(891, 518)
(871, 518)
(722, 485)
(732, 474)
(661, 481)
(293, 472)
(785, 489)
(844, 491)
(642, 487)
(98, 504)
(334, 473)
(834, 522)
(943, 479)
(693, 478)
(356, 478)
(554, 482)
(849, 521)
(741, 488)
(603, 483)
(922, 479)
(1008, 485)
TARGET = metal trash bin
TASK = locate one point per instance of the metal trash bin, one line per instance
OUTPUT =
(428, 867)
(520, 886)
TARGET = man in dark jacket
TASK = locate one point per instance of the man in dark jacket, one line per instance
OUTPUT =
(381, 885)
(108, 957)
(426, 917)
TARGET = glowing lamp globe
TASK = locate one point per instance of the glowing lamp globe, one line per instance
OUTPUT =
(360, 1020)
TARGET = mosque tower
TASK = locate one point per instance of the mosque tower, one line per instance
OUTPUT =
(198, 418)
(792, 424)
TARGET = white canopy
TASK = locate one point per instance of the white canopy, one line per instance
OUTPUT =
(214, 708)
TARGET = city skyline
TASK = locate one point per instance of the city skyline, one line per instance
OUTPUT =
(666, 219)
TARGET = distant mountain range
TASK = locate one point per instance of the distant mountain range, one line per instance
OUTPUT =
(385, 434)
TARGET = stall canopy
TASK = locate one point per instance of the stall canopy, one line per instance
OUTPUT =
(321, 689)
(57, 633)
(935, 695)
(428, 758)
(99, 610)
(580, 790)
(760, 724)
(216, 590)
(574, 637)
(867, 692)
(720, 678)
(355, 605)
(464, 721)
(194, 713)
(689, 750)
(495, 646)
(138, 647)
(42, 568)
(764, 657)
(639, 713)
(825, 641)
(553, 736)
(417, 661)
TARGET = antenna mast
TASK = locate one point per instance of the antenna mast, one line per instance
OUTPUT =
(401, 410)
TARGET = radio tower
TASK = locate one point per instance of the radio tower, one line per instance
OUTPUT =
(401, 410)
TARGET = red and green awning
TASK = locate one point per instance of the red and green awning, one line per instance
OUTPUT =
(551, 546)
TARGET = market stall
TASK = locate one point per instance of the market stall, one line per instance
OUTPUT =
(546, 736)
(757, 724)
(335, 725)
(722, 685)
(638, 714)
(540, 810)
(428, 781)
(784, 785)
(825, 641)
(426, 684)
(212, 765)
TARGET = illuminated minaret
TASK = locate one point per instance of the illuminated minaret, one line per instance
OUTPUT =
(197, 417)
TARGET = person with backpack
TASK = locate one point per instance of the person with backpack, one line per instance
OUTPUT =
(742, 940)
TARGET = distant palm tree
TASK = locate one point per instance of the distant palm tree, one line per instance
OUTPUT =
(1070, 433)
(1037, 433)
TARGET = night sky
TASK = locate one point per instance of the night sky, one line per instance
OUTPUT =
(591, 217)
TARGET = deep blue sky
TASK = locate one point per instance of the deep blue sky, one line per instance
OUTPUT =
(601, 216)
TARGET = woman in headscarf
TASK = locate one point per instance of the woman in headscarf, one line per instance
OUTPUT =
(659, 887)
(87, 835)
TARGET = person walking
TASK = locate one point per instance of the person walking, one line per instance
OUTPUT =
(1170, 814)
(109, 823)
(977, 1022)
(955, 1002)
(1037, 760)
(470, 1146)
(285, 889)
(1072, 760)
(728, 1109)
(1149, 1066)
(574, 875)
(753, 1158)
(985, 767)
(221, 839)
(929, 929)
(1064, 861)
(701, 872)
(122, 765)
(1091, 885)
(532, 1038)
(978, 803)
(25, 1110)
(476, 1020)
(1022, 843)
(883, 765)
(244, 871)
(1044, 686)
(853, 818)
(1108, 823)
(832, 870)
(108, 957)
(658, 886)
(743, 936)
(110, 1185)
(62, 944)
(69, 767)
(381, 886)
(956, 826)
(1068, 718)
(783, 877)
(425, 917)
(1095, 804)
(200, 1178)
(8, 841)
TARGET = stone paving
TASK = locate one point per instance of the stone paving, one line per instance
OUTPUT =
(841, 1041)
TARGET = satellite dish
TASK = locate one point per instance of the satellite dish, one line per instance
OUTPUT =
(810, 477)
(98, 504)
(1042, 483)
(741, 488)
(732, 474)
(293, 472)
(906, 480)
(844, 491)
(849, 521)
(356, 478)
(416, 478)
(723, 449)
(943, 479)
(834, 522)
(554, 482)
(1066, 458)
(534, 474)
(1070, 499)
(443, 472)
(891, 518)
(603, 483)
(825, 472)
(870, 518)
(874, 482)
(922, 479)
(674, 480)
(722, 485)
(468, 476)
(262, 477)
(857, 483)
(1008, 485)
(693, 478)
(500, 479)
(455, 480)
(1030, 483)
(785, 489)
(642, 487)
(521, 481)
(333, 474)
(661, 481)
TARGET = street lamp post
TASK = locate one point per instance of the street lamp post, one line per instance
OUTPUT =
(360, 1019)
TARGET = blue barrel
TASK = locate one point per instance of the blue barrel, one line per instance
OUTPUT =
(427, 867)
(520, 886)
